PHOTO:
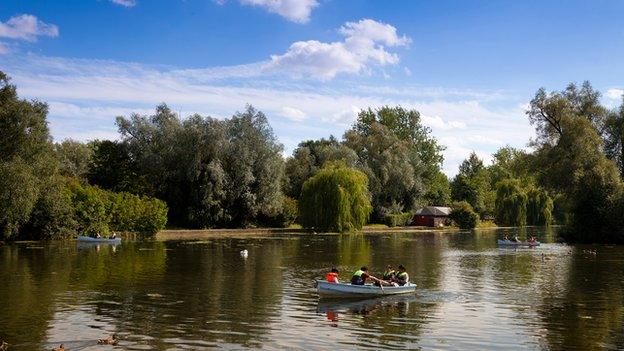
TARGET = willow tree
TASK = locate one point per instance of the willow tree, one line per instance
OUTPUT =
(511, 203)
(335, 199)
(539, 207)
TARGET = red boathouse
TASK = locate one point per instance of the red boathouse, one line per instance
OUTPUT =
(431, 216)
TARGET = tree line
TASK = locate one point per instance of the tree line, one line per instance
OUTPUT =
(41, 193)
(203, 172)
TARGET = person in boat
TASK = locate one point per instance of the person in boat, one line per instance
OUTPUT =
(361, 275)
(332, 276)
(114, 236)
(401, 277)
(389, 273)
(387, 276)
(515, 239)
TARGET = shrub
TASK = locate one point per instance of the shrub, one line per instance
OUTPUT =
(53, 216)
(98, 211)
(335, 199)
(398, 219)
(463, 215)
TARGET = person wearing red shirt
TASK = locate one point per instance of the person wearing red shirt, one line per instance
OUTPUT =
(332, 276)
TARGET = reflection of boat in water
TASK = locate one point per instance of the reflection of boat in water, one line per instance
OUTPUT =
(88, 239)
(332, 308)
(510, 243)
(325, 288)
(361, 306)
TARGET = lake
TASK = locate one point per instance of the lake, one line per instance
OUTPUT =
(203, 295)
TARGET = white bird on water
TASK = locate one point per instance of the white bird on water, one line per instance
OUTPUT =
(244, 253)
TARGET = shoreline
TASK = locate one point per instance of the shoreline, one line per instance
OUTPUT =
(188, 234)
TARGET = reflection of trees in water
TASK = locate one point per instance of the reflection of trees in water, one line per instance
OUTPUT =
(210, 293)
(393, 321)
(34, 278)
(587, 313)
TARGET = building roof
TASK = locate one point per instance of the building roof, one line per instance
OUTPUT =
(434, 211)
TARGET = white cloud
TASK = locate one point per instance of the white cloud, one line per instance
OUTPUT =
(615, 94)
(86, 95)
(294, 10)
(293, 114)
(436, 122)
(362, 48)
(27, 27)
(125, 3)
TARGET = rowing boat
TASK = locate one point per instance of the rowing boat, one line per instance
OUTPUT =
(325, 288)
(88, 239)
(518, 243)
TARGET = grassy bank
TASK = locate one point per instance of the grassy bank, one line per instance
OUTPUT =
(184, 234)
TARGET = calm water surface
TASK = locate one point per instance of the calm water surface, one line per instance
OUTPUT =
(203, 295)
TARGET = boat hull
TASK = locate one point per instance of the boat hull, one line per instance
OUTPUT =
(88, 239)
(327, 289)
(516, 244)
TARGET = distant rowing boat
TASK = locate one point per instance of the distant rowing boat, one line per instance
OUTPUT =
(517, 243)
(88, 239)
(325, 288)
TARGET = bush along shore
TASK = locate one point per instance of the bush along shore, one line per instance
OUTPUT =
(201, 172)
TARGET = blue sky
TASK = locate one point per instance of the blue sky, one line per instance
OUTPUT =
(469, 67)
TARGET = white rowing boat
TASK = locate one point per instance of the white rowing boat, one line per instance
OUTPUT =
(325, 288)
(88, 239)
(518, 243)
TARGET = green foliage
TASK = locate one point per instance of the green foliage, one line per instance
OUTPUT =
(398, 219)
(393, 167)
(561, 209)
(438, 190)
(472, 184)
(92, 208)
(570, 159)
(53, 216)
(539, 207)
(27, 162)
(18, 196)
(210, 172)
(464, 215)
(99, 211)
(335, 199)
(74, 159)
(111, 168)
(613, 133)
(309, 157)
(511, 203)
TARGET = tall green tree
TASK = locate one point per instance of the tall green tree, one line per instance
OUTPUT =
(539, 207)
(111, 167)
(511, 203)
(472, 184)
(613, 132)
(74, 158)
(335, 199)
(28, 165)
(569, 155)
(399, 156)
(210, 172)
(309, 157)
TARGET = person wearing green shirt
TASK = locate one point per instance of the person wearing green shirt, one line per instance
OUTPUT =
(402, 277)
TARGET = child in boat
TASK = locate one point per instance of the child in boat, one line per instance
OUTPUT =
(332, 276)
(360, 276)
(402, 277)
(388, 275)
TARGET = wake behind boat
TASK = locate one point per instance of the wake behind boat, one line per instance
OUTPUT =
(88, 239)
(518, 243)
(328, 289)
